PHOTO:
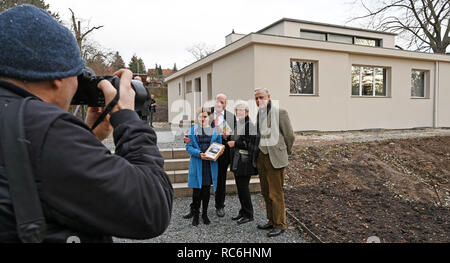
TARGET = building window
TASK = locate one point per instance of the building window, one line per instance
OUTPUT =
(313, 35)
(418, 84)
(367, 42)
(179, 89)
(369, 81)
(188, 87)
(340, 38)
(302, 78)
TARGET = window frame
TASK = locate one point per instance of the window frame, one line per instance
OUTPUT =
(315, 78)
(426, 84)
(378, 42)
(325, 34)
(189, 87)
(386, 74)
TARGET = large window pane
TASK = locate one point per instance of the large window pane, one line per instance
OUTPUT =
(418, 84)
(356, 80)
(367, 81)
(189, 87)
(313, 35)
(367, 42)
(340, 39)
(302, 78)
(380, 82)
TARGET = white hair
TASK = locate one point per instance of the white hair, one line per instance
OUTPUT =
(221, 95)
(243, 103)
(263, 89)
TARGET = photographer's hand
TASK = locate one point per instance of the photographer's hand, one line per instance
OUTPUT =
(104, 129)
(127, 94)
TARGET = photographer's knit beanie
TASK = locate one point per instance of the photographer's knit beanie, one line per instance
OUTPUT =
(35, 47)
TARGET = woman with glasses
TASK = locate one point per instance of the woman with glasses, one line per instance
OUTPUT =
(243, 145)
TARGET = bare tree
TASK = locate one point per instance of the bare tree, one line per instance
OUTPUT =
(200, 50)
(423, 24)
(78, 31)
(93, 56)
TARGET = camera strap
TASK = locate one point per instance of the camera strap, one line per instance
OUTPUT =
(30, 218)
(109, 107)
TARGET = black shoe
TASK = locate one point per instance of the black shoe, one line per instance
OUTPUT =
(275, 232)
(265, 227)
(236, 217)
(206, 220)
(244, 220)
(189, 216)
(195, 220)
(220, 212)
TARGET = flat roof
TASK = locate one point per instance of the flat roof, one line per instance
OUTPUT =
(323, 24)
(265, 39)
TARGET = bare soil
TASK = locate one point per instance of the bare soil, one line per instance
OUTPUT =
(395, 189)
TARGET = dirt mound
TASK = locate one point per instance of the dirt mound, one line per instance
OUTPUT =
(397, 190)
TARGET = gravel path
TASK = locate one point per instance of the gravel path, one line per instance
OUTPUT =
(221, 230)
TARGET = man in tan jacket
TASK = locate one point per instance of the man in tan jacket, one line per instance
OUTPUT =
(276, 139)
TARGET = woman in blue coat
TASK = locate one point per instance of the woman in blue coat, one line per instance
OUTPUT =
(202, 170)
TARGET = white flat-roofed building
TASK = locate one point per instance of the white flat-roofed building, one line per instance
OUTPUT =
(328, 77)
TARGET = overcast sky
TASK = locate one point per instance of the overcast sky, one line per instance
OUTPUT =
(161, 31)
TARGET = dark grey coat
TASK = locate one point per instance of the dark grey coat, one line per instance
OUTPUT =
(86, 190)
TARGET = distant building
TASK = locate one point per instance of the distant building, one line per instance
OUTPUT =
(157, 81)
(328, 77)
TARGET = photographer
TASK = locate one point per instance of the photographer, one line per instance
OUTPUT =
(84, 190)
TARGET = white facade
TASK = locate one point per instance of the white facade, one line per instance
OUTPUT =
(337, 98)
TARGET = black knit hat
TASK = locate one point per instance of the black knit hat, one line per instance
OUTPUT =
(35, 47)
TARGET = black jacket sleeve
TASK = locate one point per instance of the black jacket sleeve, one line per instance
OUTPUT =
(126, 194)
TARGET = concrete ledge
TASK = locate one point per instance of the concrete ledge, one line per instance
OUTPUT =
(166, 153)
(176, 164)
(182, 189)
(181, 176)
(180, 153)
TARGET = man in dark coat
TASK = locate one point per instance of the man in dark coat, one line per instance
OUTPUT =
(221, 119)
(86, 193)
(152, 109)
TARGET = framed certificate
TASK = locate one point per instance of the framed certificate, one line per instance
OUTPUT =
(215, 150)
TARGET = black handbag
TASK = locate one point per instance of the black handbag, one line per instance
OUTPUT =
(243, 164)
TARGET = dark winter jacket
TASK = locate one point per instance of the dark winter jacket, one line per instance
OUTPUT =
(85, 190)
(245, 138)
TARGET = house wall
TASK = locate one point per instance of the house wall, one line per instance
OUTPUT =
(292, 29)
(232, 75)
(261, 61)
(443, 103)
(333, 108)
(276, 30)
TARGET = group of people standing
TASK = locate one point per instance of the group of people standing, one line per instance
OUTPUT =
(251, 148)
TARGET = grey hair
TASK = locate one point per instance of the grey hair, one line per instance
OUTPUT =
(264, 89)
(221, 95)
(241, 102)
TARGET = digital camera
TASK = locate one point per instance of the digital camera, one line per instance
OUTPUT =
(89, 94)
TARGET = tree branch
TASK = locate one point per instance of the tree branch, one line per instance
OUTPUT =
(90, 30)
